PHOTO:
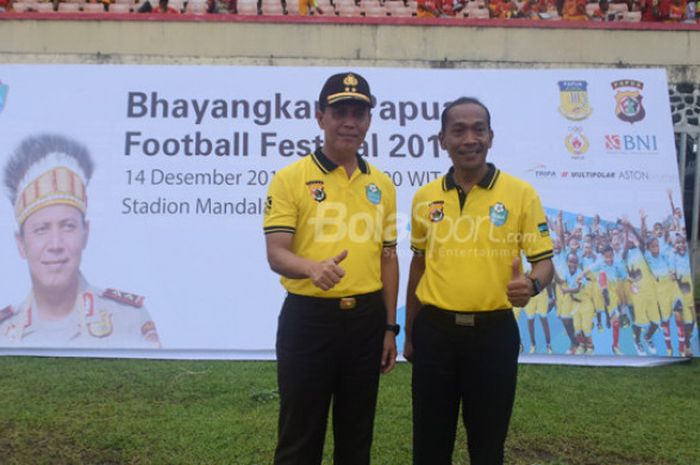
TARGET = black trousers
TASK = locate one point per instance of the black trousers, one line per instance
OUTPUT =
(472, 358)
(326, 354)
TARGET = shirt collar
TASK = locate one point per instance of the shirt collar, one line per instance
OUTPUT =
(487, 182)
(326, 165)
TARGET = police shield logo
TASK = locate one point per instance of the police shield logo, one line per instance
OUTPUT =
(498, 213)
(374, 195)
(317, 191)
(573, 100)
(436, 211)
(3, 95)
(628, 100)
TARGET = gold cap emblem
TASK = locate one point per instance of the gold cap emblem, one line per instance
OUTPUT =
(350, 80)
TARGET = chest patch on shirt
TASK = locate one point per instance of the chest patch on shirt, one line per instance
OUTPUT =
(498, 213)
(374, 194)
(317, 190)
(436, 211)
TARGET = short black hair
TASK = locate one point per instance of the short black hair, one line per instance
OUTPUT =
(463, 101)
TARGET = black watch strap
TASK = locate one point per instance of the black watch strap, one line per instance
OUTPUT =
(536, 285)
(393, 328)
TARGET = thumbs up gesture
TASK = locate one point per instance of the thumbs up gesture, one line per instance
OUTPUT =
(327, 273)
(519, 287)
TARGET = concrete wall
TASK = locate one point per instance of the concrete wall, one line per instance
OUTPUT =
(491, 44)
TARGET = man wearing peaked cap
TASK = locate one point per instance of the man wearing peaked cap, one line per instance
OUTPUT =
(46, 178)
(330, 231)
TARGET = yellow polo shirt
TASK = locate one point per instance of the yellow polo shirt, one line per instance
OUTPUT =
(327, 212)
(471, 239)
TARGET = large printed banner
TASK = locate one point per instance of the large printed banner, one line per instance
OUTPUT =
(174, 166)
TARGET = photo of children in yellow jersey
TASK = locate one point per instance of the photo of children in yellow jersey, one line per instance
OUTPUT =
(536, 309)
(621, 287)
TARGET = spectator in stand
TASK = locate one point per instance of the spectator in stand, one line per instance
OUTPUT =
(447, 8)
(676, 11)
(574, 10)
(309, 7)
(429, 8)
(651, 10)
(212, 7)
(163, 7)
(531, 9)
(602, 13)
(5, 5)
(502, 9)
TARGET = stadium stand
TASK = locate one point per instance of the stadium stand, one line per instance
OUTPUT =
(618, 11)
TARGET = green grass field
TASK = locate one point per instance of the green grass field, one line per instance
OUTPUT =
(58, 411)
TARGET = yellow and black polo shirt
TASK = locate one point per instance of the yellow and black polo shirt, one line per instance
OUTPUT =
(327, 212)
(470, 239)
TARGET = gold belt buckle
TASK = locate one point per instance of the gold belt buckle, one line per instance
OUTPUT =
(462, 319)
(347, 303)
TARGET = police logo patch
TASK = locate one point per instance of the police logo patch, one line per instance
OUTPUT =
(317, 190)
(436, 211)
(498, 213)
(573, 100)
(628, 100)
(374, 194)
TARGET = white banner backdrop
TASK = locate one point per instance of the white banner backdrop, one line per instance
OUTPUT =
(184, 155)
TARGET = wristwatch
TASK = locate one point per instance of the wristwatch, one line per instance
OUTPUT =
(393, 328)
(536, 285)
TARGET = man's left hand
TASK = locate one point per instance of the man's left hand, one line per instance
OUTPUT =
(519, 287)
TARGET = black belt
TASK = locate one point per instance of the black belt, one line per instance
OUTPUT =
(467, 318)
(344, 303)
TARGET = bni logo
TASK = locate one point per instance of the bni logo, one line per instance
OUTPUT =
(3, 95)
(631, 143)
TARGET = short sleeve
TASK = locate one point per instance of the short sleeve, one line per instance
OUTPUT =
(419, 227)
(534, 238)
(389, 231)
(280, 211)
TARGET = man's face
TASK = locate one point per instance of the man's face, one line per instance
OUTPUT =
(587, 249)
(467, 136)
(572, 262)
(654, 247)
(609, 256)
(681, 245)
(52, 241)
(345, 125)
(574, 244)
